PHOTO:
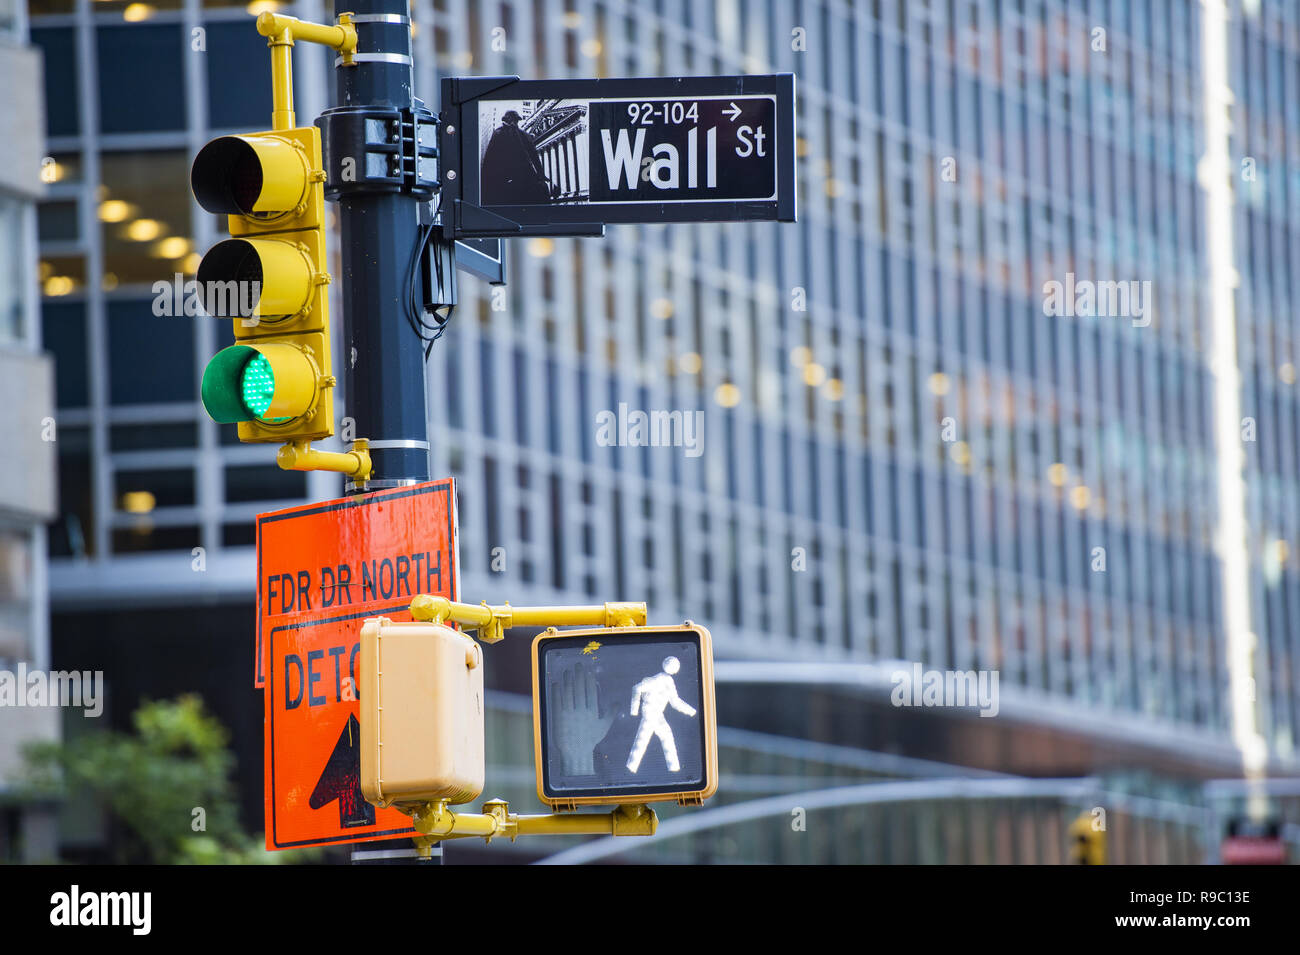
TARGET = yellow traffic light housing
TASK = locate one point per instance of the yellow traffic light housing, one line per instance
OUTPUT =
(624, 714)
(421, 706)
(1087, 841)
(275, 382)
(263, 174)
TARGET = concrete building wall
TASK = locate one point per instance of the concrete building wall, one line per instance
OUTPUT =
(28, 435)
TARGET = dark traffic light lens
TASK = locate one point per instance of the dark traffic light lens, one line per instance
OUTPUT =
(231, 276)
(227, 176)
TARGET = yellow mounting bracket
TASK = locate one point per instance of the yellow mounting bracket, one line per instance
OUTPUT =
(492, 622)
(301, 456)
(436, 822)
(281, 32)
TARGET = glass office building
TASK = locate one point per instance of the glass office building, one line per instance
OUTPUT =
(968, 413)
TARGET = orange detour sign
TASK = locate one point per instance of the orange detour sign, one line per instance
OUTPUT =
(323, 569)
(355, 552)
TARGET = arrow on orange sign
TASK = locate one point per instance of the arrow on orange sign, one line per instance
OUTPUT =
(341, 780)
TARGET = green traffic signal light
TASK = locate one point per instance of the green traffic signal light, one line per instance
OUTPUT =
(269, 383)
(257, 385)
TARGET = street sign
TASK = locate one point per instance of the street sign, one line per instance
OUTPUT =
(313, 734)
(322, 570)
(624, 715)
(565, 157)
(353, 553)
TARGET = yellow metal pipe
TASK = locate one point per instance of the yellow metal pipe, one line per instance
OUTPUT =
(435, 820)
(573, 824)
(453, 825)
(282, 116)
(439, 610)
(491, 622)
(603, 615)
(281, 31)
(341, 36)
(301, 456)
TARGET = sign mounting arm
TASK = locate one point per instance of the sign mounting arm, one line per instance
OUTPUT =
(492, 622)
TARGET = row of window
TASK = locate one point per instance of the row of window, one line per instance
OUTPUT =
(777, 580)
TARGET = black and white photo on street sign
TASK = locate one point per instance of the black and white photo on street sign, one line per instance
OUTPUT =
(540, 151)
(577, 154)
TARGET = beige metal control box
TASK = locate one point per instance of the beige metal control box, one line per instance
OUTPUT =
(421, 713)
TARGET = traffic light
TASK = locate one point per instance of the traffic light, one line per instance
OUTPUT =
(421, 702)
(624, 715)
(275, 382)
(1087, 841)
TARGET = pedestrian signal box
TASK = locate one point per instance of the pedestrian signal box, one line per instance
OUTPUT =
(624, 715)
(421, 713)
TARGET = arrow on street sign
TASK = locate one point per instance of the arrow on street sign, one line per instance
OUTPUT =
(341, 780)
(566, 157)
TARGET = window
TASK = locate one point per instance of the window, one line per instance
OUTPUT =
(141, 85)
(62, 103)
(15, 278)
(16, 574)
(150, 359)
(239, 98)
(64, 333)
(144, 212)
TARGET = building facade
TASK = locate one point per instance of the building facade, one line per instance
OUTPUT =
(968, 413)
(28, 432)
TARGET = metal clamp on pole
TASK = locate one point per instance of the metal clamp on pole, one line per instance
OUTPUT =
(492, 622)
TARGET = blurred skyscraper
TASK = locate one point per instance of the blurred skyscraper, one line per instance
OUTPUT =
(916, 448)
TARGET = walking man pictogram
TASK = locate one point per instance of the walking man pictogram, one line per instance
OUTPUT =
(650, 697)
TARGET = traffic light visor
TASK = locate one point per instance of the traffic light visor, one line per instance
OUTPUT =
(250, 175)
(268, 383)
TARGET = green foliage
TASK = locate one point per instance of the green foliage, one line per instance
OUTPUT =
(168, 784)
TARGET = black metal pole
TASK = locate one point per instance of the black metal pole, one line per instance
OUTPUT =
(372, 171)
(380, 172)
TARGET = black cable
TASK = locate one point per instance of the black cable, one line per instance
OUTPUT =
(415, 306)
